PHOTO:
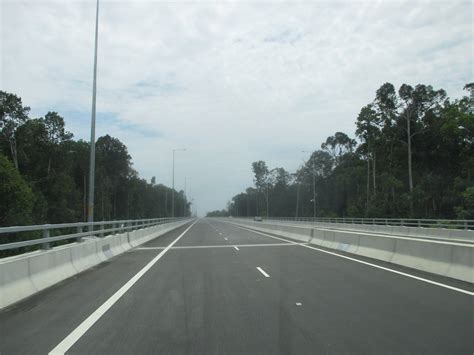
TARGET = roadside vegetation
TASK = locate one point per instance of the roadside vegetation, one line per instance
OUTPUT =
(412, 155)
(44, 174)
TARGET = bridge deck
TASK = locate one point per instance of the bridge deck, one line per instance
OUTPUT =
(221, 289)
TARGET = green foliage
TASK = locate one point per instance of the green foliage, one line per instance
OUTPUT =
(217, 213)
(49, 180)
(417, 126)
(16, 197)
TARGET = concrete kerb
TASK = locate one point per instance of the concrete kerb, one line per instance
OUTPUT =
(24, 275)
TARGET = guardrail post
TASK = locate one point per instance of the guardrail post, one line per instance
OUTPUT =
(101, 234)
(46, 245)
(465, 225)
(79, 239)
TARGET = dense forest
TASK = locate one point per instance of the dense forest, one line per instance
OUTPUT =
(412, 156)
(44, 174)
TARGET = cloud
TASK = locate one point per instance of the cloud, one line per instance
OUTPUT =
(233, 82)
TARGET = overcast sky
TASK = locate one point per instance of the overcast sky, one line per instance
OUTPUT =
(233, 82)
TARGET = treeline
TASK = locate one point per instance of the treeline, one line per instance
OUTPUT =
(44, 174)
(413, 157)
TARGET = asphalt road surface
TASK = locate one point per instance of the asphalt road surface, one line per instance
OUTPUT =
(211, 287)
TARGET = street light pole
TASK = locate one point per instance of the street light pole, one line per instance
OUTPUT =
(172, 190)
(90, 212)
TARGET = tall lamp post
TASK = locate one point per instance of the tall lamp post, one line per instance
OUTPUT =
(172, 190)
(90, 210)
(314, 183)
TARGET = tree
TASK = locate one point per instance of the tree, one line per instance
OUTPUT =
(338, 145)
(368, 129)
(12, 115)
(56, 134)
(262, 181)
(16, 197)
(113, 167)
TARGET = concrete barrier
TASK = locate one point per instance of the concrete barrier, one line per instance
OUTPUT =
(445, 258)
(24, 275)
(438, 233)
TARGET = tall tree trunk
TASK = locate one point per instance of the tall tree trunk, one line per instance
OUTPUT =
(268, 204)
(256, 203)
(297, 199)
(13, 150)
(373, 172)
(114, 210)
(128, 204)
(102, 199)
(410, 173)
(247, 210)
(49, 167)
(368, 185)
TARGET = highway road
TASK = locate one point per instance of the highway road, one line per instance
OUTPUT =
(211, 287)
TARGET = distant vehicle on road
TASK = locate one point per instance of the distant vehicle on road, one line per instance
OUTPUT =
(257, 219)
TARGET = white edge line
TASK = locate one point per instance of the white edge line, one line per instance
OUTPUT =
(370, 264)
(263, 272)
(82, 328)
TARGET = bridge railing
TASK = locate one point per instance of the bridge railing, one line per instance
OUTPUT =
(406, 222)
(47, 235)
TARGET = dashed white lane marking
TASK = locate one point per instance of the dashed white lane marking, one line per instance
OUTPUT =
(225, 238)
(298, 303)
(77, 333)
(366, 263)
(236, 248)
(263, 272)
(220, 246)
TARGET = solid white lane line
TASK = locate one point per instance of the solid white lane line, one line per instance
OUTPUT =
(236, 248)
(77, 333)
(263, 272)
(369, 264)
(149, 248)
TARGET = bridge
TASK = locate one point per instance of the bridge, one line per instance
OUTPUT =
(238, 285)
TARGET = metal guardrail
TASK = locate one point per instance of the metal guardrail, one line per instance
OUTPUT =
(467, 224)
(43, 234)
